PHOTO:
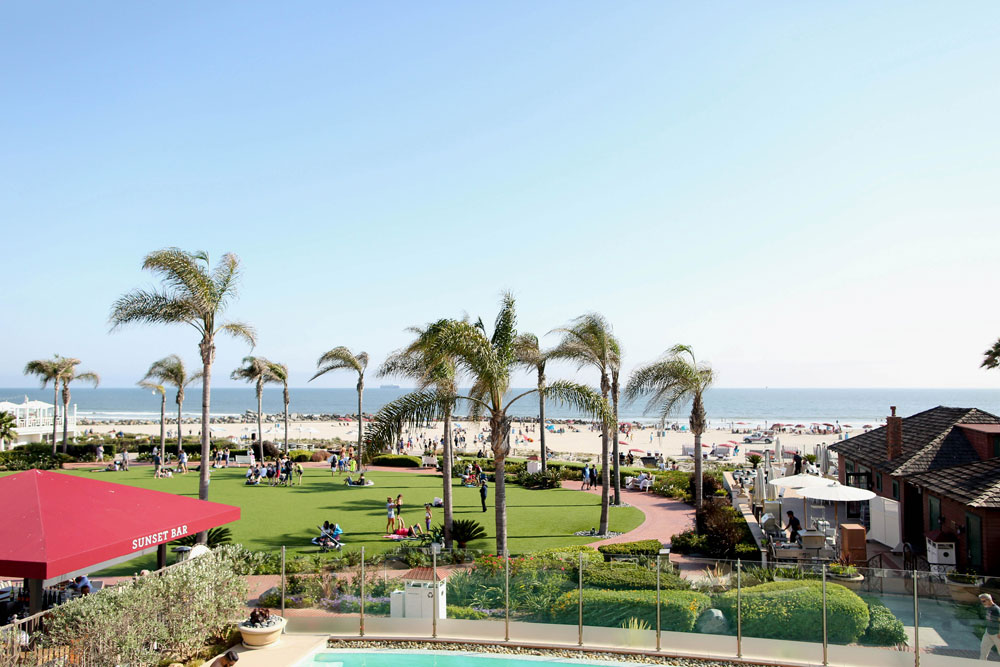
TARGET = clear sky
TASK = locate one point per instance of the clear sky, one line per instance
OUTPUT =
(807, 193)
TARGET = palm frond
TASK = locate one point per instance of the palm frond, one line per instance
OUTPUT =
(991, 357)
(149, 307)
(411, 409)
(241, 330)
(340, 358)
(152, 386)
(582, 398)
(89, 376)
(225, 278)
(183, 273)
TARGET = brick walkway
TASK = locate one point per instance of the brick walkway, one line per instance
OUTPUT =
(664, 517)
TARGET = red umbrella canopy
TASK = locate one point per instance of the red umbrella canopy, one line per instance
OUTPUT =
(641, 451)
(53, 524)
(800, 426)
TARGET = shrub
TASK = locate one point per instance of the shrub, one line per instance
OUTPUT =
(884, 629)
(396, 461)
(678, 609)
(20, 459)
(454, 611)
(537, 480)
(639, 548)
(754, 460)
(688, 542)
(709, 484)
(244, 561)
(319, 456)
(464, 531)
(629, 577)
(723, 527)
(216, 538)
(794, 610)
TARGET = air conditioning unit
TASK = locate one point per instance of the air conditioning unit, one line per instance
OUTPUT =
(940, 553)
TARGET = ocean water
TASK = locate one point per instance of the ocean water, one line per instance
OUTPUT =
(848, 406)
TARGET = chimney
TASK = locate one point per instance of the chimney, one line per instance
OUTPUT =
(894, 435)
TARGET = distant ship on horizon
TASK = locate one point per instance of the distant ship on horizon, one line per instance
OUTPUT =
(388, 386)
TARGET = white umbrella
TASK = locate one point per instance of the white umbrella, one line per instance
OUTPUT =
(837, 493)
(778, 452)
(799, 481)
(760, 486)
(824, 460)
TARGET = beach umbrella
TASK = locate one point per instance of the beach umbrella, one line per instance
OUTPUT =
(800, 426)
(760, 487)
(800, 481)
(824, 460)
(778, 453)
(837, 493)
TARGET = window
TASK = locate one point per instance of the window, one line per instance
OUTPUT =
(974, 540)
(849, 466)
(996, 446)
(878, 481)
(895, 490)
(934, 511)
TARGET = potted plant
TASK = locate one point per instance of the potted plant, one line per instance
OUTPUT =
(847, 575)
(963, 587)
(262, 629)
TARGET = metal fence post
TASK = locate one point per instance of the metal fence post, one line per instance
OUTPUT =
(361, 628)
(916, 622)
(739, 608)
(824, 617)
(434, 594)
(506, 600)
(657, 602)
(282, 580)
(579, 623)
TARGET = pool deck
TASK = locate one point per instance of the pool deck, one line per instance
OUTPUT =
(288, 652)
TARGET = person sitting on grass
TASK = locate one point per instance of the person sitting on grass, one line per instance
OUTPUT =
(360, 481)
(253, 476)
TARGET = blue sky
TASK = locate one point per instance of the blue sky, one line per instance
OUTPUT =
(804, 192)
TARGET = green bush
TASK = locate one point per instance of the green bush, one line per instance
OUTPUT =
(678, 609)
(22, 459)
(464, 531)
(794, 610)
(396, 461)
(639, 548)
(724, 528)
(688, 542)
(301, 455)
(454, 611)
(550, 480)
(629, 577)
(884, 629)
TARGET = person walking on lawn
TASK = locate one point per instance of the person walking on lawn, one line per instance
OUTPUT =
(483, 491)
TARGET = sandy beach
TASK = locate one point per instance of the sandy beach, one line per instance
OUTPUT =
(576, 441)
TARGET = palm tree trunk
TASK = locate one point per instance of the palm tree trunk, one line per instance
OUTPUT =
(605, 470)
(180, 433)
(55, 415)
(616, 451)
(260, 428)
(207, 357)
(446, 474)
(499, 429)
(65, 417)
(541, 421)
(163, 427)
(698, 481)
(286, 419)
(361, 390)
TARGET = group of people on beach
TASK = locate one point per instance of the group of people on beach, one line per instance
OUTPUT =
(277, 473)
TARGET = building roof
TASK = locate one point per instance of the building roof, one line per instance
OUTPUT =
(931, 441)
(974, 484)
(421, 574)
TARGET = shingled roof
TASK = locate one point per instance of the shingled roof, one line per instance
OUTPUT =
(931, 441)
(974, 484)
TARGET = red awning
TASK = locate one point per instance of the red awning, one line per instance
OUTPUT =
(54, 524)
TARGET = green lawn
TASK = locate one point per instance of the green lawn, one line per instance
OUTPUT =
(273, 517)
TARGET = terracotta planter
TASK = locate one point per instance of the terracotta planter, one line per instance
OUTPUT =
(255, 638)
(963, 593)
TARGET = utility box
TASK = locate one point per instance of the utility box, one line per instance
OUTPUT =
(940, 552)
(419, 594)
(396, 604)
(533, 467)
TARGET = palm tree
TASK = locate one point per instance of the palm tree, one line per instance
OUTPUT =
(67, 376)
(531, 356)
(7, 432)
(256, 370)
(589, 341)
(49, 370)
(991, 357)
(422, 362)
(170, 370)
(488, 360)
(162, 391)
(196, 296)
(279, 373)
(671, 381)
(340, 358)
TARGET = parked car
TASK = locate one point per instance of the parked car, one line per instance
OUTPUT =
(758, 437)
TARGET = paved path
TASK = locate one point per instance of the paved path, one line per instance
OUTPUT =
(665, 517)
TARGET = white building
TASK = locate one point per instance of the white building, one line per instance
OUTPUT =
(34, 420)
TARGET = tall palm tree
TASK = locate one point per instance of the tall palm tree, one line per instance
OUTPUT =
(256, 370)
(170, 370)
(7, 432)
(422, 361)
(588, 341)
(279, 373)
(67, 376)
(488, 360)
(162, 391)
(49, 370)
(531, 356)
(673, 380)
(193, 295)
(991, 357)
(340, 358)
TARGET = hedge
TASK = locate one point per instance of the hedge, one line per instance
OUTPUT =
(679, 610)
(628, 577)
(639, 548)
(22, 459)
(794, 610)
(396, 461)
(884, 629)
(455, 611)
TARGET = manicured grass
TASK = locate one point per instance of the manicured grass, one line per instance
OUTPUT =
(273, 517)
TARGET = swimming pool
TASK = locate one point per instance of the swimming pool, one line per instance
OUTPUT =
(401, 658)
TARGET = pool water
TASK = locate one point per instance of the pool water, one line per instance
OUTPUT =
(372, 658)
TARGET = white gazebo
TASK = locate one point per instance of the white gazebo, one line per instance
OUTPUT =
(33, 419)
